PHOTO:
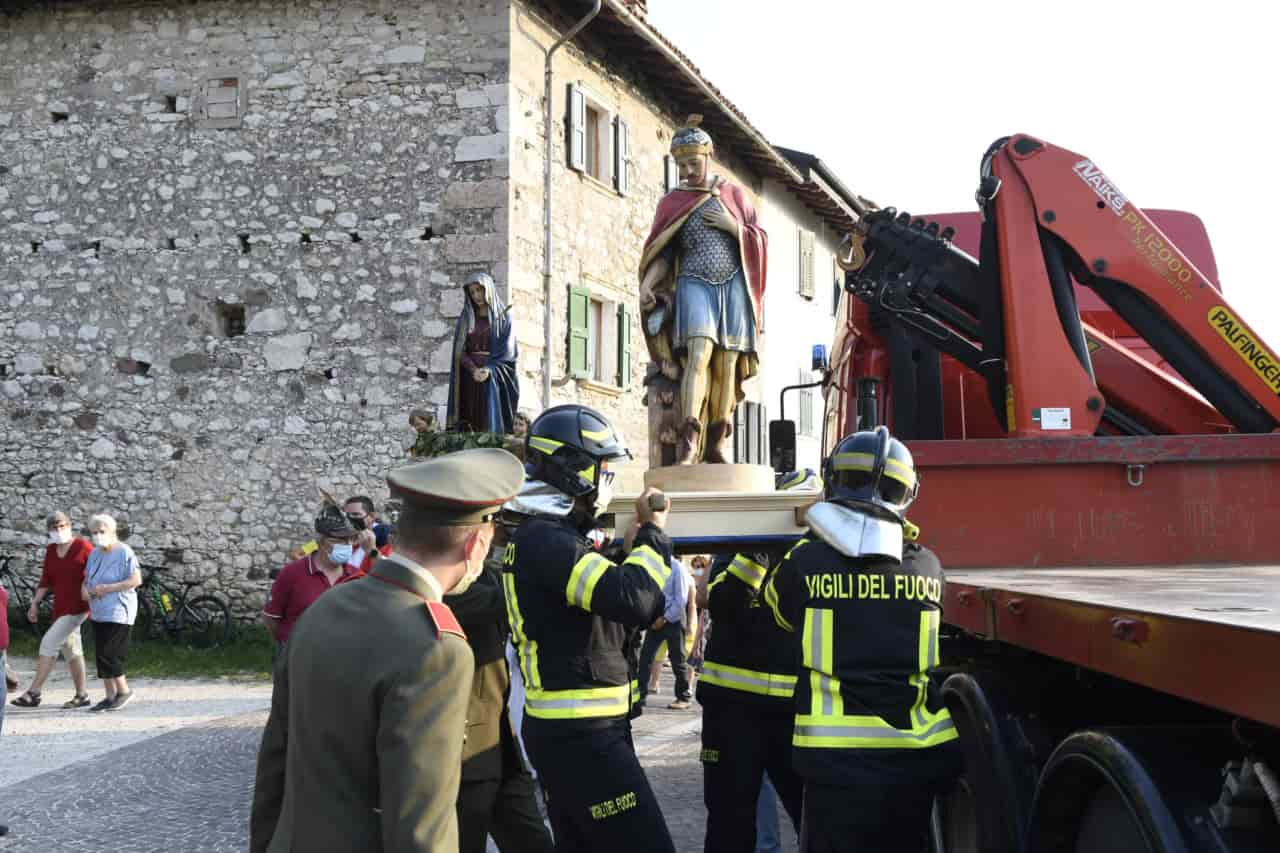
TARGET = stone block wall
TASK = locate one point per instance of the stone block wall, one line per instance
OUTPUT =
(200, 326)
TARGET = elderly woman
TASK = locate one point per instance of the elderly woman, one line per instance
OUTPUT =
(62, 576)
(110, 579)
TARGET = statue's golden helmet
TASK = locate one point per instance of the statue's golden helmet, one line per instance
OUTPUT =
(691, 139)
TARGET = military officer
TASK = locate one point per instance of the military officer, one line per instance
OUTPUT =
(363, 746)
(497, 793)
(872, 741)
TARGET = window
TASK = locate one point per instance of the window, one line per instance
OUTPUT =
(749, 446)
(806, 425)
(599, 141)
(670, 173)
(805, 276)
(220, 100)
(599, 339)
(837, 287)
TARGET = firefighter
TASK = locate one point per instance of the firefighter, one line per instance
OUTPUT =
(571, 611)
(873, 741)
(746, 692)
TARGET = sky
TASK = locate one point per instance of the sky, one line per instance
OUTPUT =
(1175, 101)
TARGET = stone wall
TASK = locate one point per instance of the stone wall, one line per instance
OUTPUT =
(200, 326)
(597, 234)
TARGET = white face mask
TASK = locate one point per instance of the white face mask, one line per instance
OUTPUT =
(61, 536)
(464, 583)
(101, 540)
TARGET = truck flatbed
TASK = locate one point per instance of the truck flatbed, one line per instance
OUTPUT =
(1198, 631)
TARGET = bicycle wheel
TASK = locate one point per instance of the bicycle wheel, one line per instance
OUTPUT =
(204, 622)
(147, 622)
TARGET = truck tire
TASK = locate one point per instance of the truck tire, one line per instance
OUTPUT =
(987, 810)
(1096, 795)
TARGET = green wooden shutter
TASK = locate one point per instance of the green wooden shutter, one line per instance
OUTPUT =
(577, 129)
(624, 346)
(579, 336)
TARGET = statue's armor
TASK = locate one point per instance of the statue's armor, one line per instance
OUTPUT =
(706, 252)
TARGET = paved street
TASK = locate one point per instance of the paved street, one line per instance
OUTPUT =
(175, 778)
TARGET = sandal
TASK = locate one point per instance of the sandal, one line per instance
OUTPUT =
(80, 700)
(27, 700)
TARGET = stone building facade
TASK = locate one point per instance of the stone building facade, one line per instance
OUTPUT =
(232, 235)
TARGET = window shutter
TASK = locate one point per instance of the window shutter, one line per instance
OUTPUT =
(577, 127)
(624, 346)
(579, 333)
(670, 173)
(806, 264)
(621, 155)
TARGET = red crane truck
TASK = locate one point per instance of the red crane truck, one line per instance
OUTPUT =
(1095, 432)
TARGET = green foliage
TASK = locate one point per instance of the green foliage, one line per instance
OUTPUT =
(432, 443)
(248, 655)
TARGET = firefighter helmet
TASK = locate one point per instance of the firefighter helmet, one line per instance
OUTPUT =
(872, 470)
(569, 447)
(806, 479)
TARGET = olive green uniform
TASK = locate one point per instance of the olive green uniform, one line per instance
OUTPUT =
(363, 747)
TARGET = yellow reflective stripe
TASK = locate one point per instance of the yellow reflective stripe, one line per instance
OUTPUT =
(871, 733)
(546, 445)
(719, 578)
(578, 704)
(803, 541)
(526, 649)
(597, 436)
(853, 461)
(588, 473)
(927, 659)
(818, 654)
(586, 573)
(651, 561)
(748, 680)
(748, 571)
(866, 462)
(771, 599)
(635, 691)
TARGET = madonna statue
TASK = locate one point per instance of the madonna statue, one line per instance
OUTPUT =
(483, 388)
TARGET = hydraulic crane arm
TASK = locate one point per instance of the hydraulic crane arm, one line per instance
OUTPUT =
(1051, 216)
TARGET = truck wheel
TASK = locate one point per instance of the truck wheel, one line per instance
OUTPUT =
(1096, 796)
(987, 809)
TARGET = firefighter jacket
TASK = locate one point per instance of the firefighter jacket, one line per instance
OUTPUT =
(749, 658)
(868, 631)
(572, 612)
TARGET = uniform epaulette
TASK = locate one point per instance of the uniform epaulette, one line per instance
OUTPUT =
(444, 620)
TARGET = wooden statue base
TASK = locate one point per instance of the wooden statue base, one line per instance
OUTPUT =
(710, 478)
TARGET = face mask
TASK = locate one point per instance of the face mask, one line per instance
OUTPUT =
(60, 537)
(468, 579)
(358, 521)
(341, 554)
(100, 540)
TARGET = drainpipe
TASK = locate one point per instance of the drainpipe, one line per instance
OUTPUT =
(546, 207)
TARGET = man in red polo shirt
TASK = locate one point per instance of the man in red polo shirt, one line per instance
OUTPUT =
(62, 575)
(301, 582)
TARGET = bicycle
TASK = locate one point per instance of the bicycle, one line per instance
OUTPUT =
(21, 591)
(201, 622)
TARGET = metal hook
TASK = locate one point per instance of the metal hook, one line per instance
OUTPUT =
(1135, 474)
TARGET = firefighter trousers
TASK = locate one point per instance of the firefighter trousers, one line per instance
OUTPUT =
(886, 805)
(740, 743)
(597, 795)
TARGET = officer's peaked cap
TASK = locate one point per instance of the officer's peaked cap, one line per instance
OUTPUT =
(465, 487)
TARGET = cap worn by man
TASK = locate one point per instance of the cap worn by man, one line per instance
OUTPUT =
(406, 671)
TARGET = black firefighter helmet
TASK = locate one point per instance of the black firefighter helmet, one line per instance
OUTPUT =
(569, 446)
(872, 470)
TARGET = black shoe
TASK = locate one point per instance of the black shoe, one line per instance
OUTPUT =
(4, 830)
(120, 701)
(103, 705)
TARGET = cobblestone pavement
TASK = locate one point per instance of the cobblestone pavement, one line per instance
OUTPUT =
(189, 788)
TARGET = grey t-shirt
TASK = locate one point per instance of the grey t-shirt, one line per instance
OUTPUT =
(112, 567)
